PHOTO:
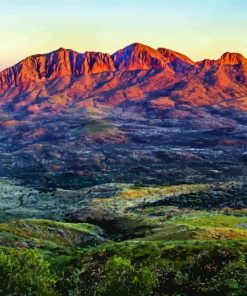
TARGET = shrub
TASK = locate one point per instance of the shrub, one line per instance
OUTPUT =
(25, 273)
(122, 278)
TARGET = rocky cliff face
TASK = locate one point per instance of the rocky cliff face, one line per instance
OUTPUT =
(179, 62)
(62, 62)
(139, 57)
(65, 62)
(229, 58)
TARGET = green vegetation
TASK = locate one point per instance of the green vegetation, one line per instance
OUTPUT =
(25, 273)
(49, 234)
(134, 267)
(211, 219)
(133, 241)
(185, 268)
(128, 279)
(129, 268)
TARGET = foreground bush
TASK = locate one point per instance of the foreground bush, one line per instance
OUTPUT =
(122, 278)
(189, 270)
(25, 273)
(131, 269)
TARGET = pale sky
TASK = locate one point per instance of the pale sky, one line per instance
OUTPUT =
(199, 29)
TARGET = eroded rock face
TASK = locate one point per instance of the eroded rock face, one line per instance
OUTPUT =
(138, 57)
(229, 58)
(134, 74)
(62, 62)
(179, 62)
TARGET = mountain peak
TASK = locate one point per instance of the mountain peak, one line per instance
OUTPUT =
(139, 46)
(232, 58)
(138, 56)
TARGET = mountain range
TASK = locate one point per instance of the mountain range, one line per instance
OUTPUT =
(157, 79)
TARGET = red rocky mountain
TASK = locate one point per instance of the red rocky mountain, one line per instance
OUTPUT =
(157, 79)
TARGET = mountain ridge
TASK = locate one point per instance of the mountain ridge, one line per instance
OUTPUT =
(136, 77)
(136, 56)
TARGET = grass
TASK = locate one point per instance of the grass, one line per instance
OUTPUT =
(213, 225)
(159, 211)
(50, 233)
(155, 249)
(211, 219)
(81, 227)
(171, 231)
